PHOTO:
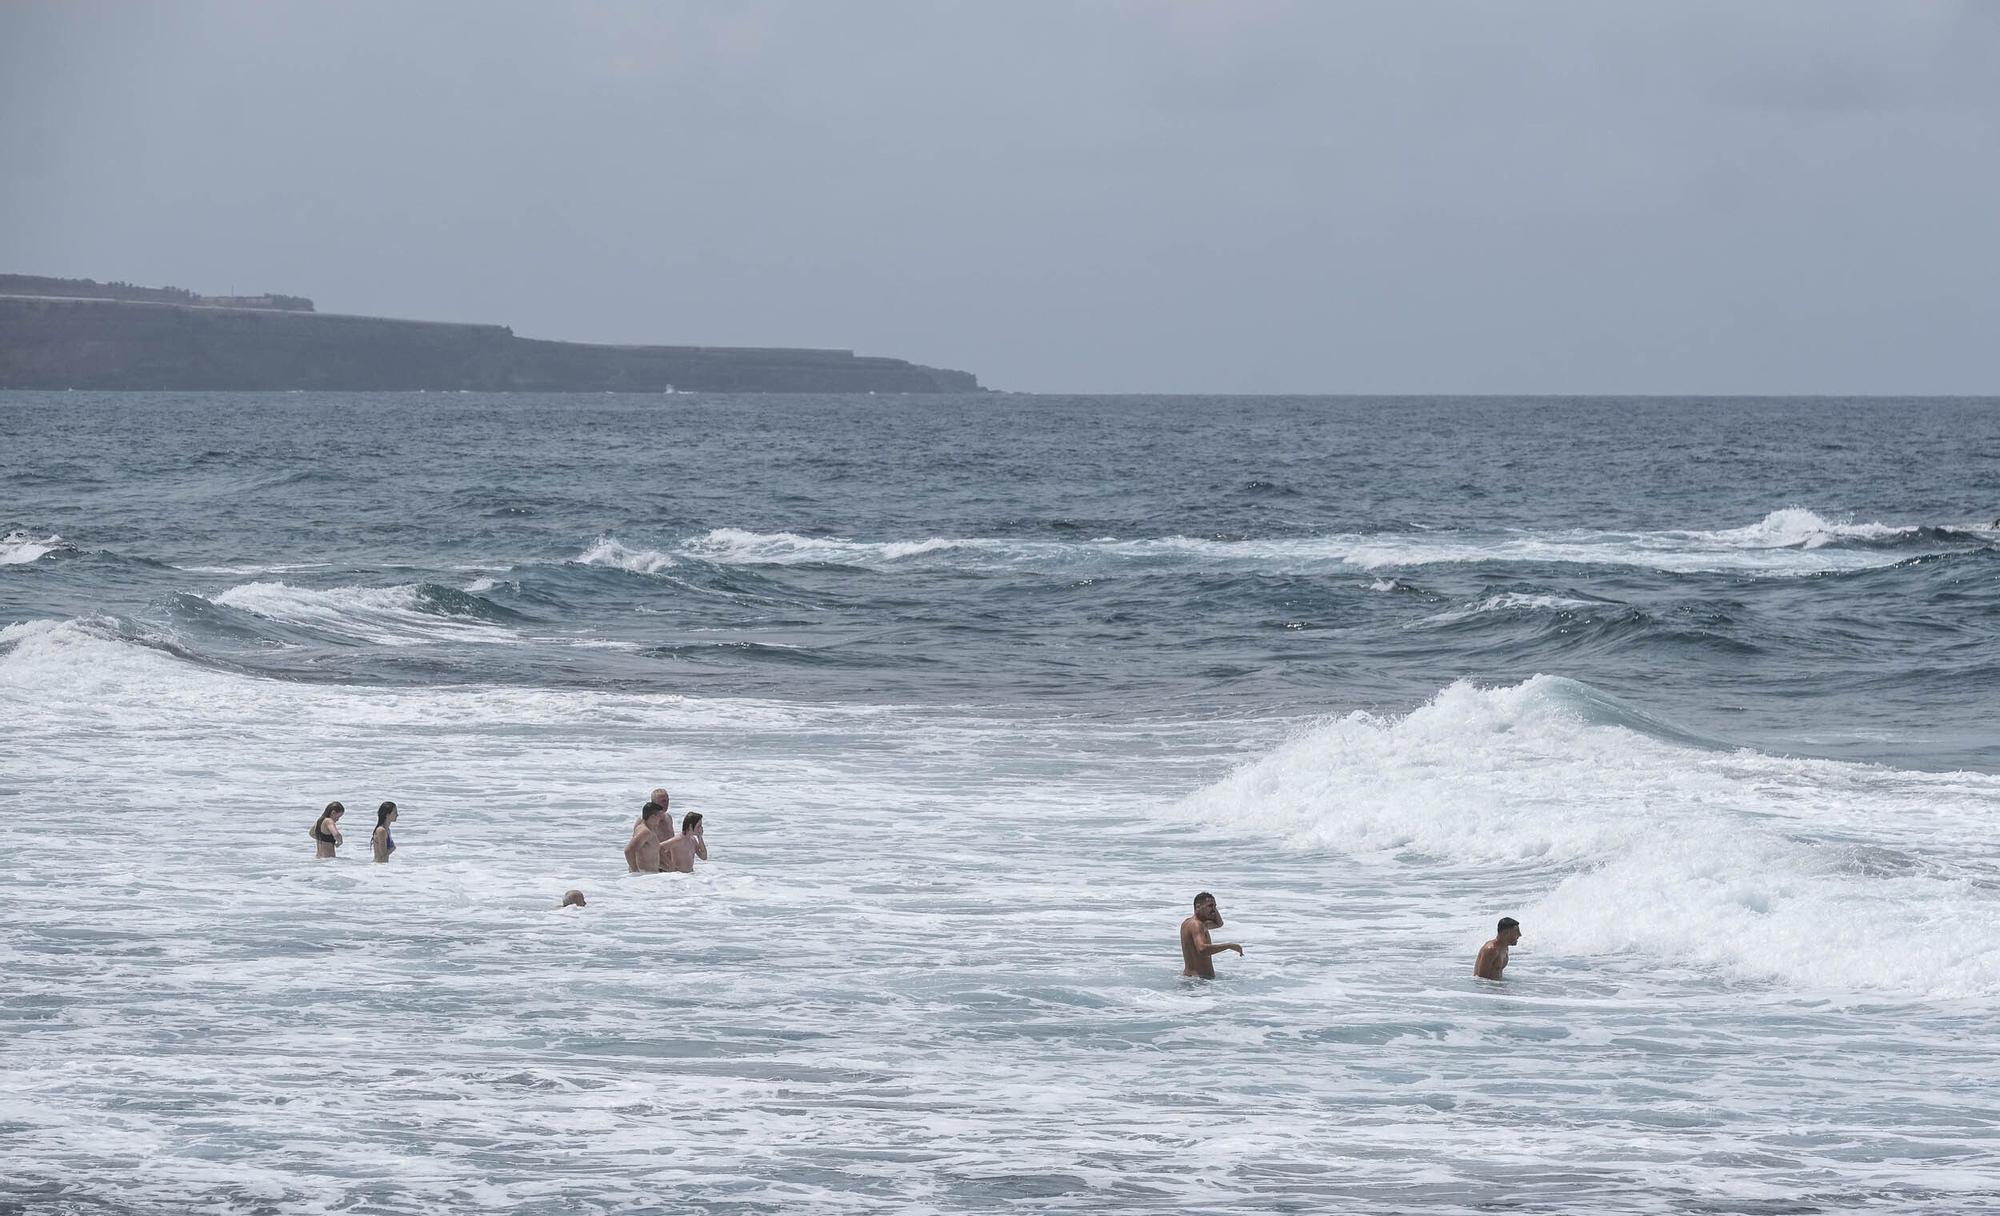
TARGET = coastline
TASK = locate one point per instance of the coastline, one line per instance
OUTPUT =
(60, 342)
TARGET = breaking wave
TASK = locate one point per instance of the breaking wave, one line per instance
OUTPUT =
(20, 548)
(1793, 541)
(406, 615)
(1626, 834)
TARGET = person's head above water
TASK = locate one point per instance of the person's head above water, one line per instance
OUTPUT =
(1205, 910)
(385, 814)
(334, 809)
(660, 796)
(1510, 931)
(573, 898)
(650, 813)
(690, 822)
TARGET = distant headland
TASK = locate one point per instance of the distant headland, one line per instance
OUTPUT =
(78, 333)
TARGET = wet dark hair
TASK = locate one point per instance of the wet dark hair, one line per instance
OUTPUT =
(573, 899)
(1508, 922)
(690, 820)
(650, 809)
(331, 808)
(383, 812)
(1204, 896)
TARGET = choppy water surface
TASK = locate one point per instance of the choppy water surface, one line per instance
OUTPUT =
(974, 694)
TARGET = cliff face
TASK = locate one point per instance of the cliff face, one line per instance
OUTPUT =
(44, 285)
(120, 344)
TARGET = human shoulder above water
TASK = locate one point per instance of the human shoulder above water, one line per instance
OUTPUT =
(678, 853)
(642, 851)
(1492, 960)
(1196, 946)
(380, 840)
(325, 830)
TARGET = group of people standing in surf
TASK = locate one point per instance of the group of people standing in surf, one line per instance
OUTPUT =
(655, 847)
(327, 838)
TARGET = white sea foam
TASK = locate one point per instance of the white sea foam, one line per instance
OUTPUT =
(267, 568)
(1005, 1026)
(1796, 528)
(1792, 541)
(1813, 874)
(389, 616)
(20, 548)
(607, 551)
(1516, 601)
(733, 545)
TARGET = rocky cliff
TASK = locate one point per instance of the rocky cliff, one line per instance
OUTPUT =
(50, 342)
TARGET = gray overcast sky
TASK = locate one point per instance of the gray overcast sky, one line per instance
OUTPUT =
(1116, 196)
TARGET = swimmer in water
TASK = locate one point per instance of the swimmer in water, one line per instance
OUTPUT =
(326, 830)
(642, 852)
(384, 844)
(677, 855)
(1196, 948)
(573, 898)
(1492, 958)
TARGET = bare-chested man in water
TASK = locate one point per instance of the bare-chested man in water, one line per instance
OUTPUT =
(677, 855)
(1196, 948)
(642, 852)
(1492, 958)
(659, 796)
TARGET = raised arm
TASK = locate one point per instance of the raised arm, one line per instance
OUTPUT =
(700, 847)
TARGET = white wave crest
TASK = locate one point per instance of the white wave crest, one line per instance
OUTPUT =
(1616, 839)
(20, 548)
(281, 568)
(389, 616)
(1793, 541)
(1515, 601)
(1796, 528)
(732, 545)
(607, 551)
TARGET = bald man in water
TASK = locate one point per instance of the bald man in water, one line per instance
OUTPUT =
(1196, 948)
(657, 797)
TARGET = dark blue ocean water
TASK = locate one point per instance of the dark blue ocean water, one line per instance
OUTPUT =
(1802, 575)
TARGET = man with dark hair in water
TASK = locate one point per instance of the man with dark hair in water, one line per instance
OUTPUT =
(1492, 958)
(677, 854)
(642, 852)
(660, 796)
(573, 898)
(1196, 948)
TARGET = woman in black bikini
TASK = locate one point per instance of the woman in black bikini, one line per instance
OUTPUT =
(326, 830)
(380, 838)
